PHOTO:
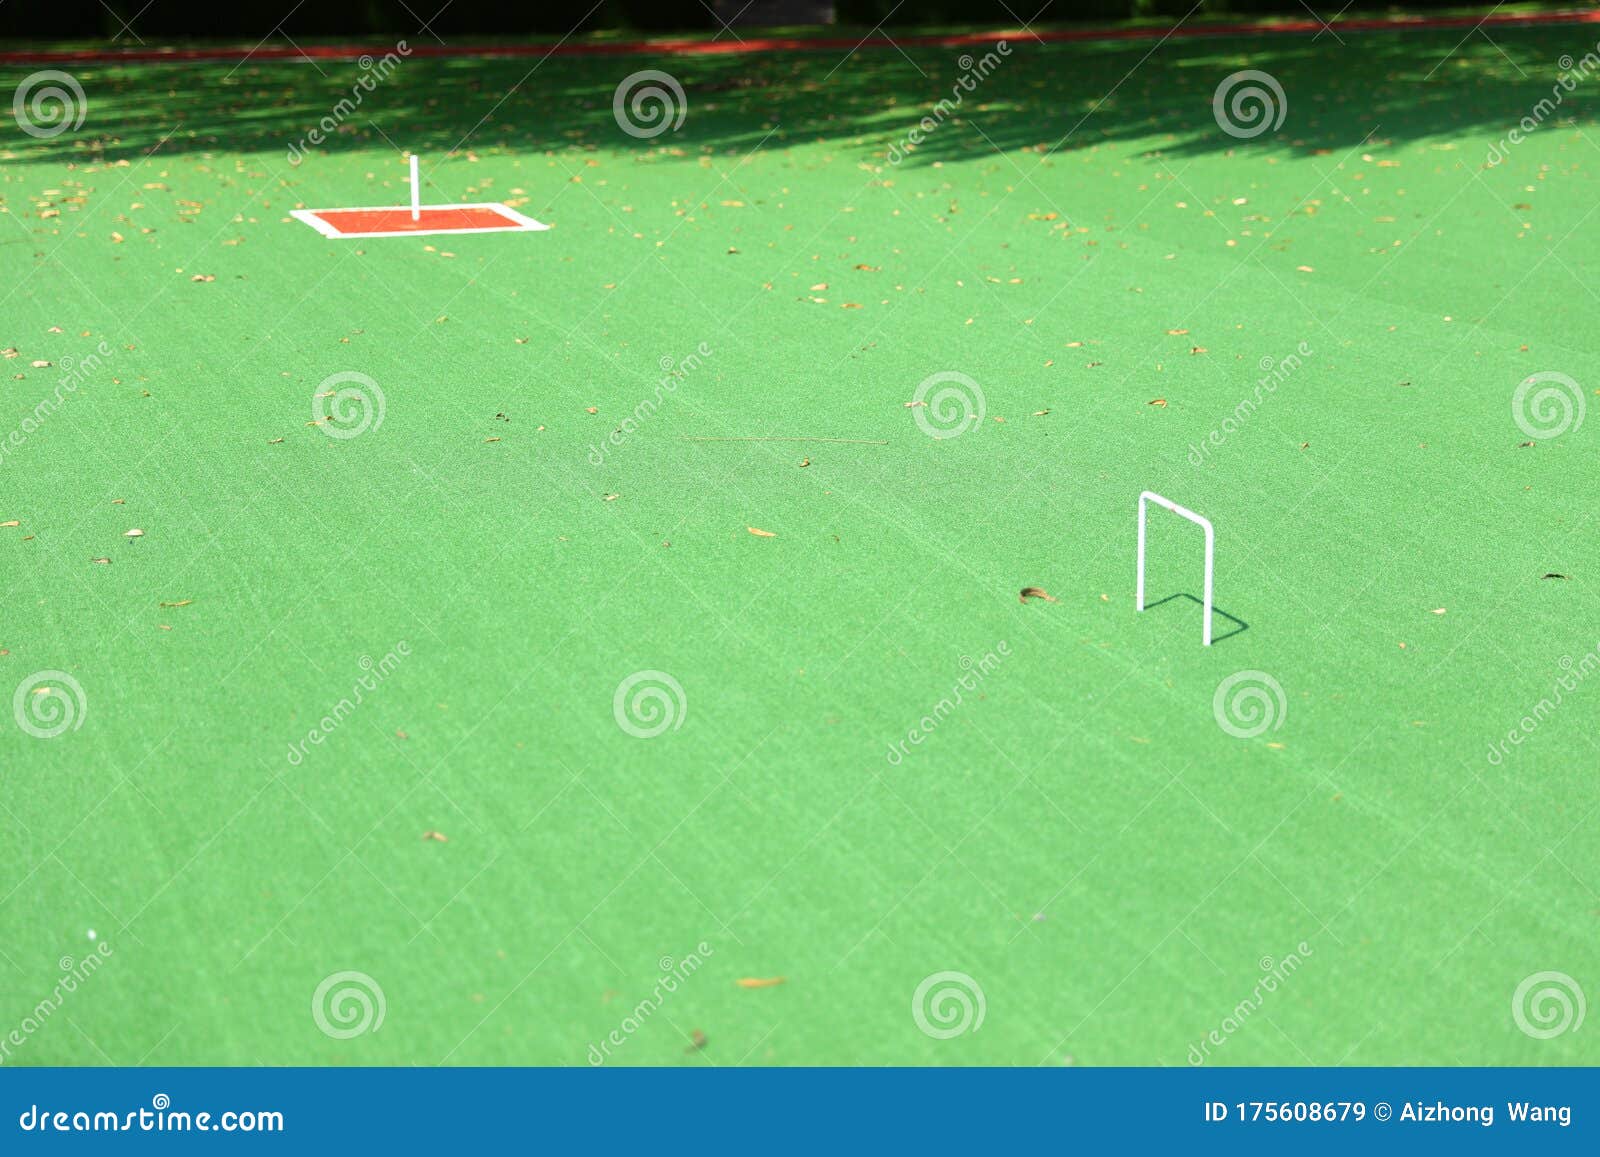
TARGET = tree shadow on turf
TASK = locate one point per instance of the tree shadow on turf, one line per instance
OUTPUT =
(1240, 626)
(1042, 104)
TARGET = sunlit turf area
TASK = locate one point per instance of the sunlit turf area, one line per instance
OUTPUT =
(610, 644)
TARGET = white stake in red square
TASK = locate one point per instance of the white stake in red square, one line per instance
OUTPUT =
(418, 220)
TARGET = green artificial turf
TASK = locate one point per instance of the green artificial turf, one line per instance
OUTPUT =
(1078, 836)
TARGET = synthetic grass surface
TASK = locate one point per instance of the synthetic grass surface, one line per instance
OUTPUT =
(1080, 837)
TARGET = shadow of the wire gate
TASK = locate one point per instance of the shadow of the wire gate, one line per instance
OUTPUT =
(1240, 626)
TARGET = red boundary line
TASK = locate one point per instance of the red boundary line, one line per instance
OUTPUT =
(796, 43)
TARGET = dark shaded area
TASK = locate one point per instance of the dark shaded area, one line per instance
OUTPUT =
(133, 21)
(1239, 625)
(1039, 98)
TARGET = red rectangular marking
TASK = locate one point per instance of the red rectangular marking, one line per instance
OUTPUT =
(395, 220)
(444, 220)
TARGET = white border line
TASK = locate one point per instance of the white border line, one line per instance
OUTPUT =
(519, 222)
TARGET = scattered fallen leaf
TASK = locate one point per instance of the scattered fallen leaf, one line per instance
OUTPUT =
(1157, 402)
(203, 277)
(134, 533)
(1176, 332)
(101, 561)
(761, 533)
(1036, 593)
(274, 441)
(697, 1039)
(760, 981)
(804, 462)
(439, 836)
(610, 497)
(1437, 611)
(13, 522)
(179, 603)
(1550, 575)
